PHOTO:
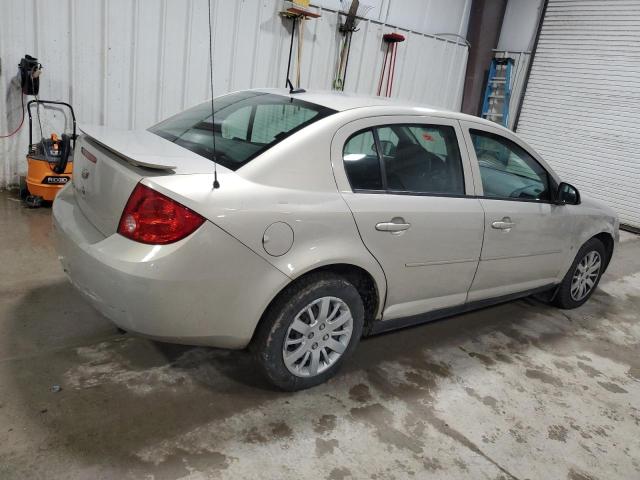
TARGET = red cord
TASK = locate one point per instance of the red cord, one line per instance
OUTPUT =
(21, 121)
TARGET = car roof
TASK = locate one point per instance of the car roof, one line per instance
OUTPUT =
(342, 101)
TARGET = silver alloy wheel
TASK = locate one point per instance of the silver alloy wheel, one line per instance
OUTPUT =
(317, 337)
(585, 276)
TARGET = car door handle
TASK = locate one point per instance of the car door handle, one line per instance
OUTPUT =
(394, 226)
(504, 224)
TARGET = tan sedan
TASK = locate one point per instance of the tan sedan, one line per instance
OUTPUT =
(335, 217)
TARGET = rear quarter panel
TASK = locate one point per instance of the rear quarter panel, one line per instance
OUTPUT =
(205, 289)
(292, 183)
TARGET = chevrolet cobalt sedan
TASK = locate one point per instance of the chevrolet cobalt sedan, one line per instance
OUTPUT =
(333, 217)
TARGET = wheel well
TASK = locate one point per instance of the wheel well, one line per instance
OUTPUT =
(364, 283)
(607, 241)
(359, 278)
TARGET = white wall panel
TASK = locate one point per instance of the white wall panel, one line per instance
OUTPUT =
(519, 25)
(582, 101)
(130, 63)
(422, 16)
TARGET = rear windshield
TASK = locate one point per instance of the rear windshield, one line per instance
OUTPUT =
(246, 124)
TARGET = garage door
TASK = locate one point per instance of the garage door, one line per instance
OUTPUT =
(581, 109)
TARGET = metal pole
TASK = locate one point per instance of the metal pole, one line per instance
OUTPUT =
(293, 31)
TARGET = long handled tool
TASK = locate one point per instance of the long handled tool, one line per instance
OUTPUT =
(392, 40)
(353, 16)
(296, 10)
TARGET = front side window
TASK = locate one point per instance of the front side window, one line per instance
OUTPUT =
(421, 159)
(507, 170)
(247, 124)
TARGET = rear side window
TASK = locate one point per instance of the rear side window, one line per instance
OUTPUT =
(361, 162)
(420, 159)
(247, 124)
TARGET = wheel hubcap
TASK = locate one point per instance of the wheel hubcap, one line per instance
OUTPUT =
(585, 276)
(317, 337)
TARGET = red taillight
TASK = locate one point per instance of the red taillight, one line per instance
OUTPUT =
(151, 217)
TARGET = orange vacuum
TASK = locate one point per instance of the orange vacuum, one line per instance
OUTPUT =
(50, 161)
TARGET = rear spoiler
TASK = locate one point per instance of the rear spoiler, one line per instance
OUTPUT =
(138, 147)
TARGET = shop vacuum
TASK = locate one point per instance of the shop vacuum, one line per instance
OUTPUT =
(50, 161)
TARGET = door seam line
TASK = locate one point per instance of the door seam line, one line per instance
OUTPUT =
(386, 280)
(484, 231)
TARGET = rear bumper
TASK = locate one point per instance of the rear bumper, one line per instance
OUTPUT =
(207, 289)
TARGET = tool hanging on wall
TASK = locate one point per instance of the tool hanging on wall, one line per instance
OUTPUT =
(392, 40)
(353, 16)
(29, 71)
(297, 11)
(497, 94)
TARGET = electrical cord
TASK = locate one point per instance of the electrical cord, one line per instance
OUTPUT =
(44, 147)
(21, 120)
(38, 115)
(33, 73)
(460, 37)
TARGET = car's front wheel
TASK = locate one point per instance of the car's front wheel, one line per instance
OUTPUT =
(583, 276)
(309, 331)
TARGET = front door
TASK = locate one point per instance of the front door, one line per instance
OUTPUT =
(408, 179)
(526, 234)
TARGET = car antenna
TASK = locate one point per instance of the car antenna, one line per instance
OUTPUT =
(216, 184)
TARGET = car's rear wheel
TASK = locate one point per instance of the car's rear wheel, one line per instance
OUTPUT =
(309, 331)
(583, 277)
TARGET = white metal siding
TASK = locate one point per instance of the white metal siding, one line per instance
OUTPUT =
(128, 64)
(582, 105)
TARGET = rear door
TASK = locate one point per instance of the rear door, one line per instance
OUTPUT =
(406, 180)
(526, 235)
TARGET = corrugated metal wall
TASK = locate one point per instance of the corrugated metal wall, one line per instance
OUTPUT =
(582, 101)
(128, 64)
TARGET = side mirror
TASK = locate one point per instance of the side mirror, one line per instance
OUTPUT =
(567, 194)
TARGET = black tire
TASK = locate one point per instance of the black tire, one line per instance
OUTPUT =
(269, 340)
(563, 298)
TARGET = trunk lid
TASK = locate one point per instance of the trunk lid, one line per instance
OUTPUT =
(108, 164)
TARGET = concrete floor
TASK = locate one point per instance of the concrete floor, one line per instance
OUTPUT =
(521, 390)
